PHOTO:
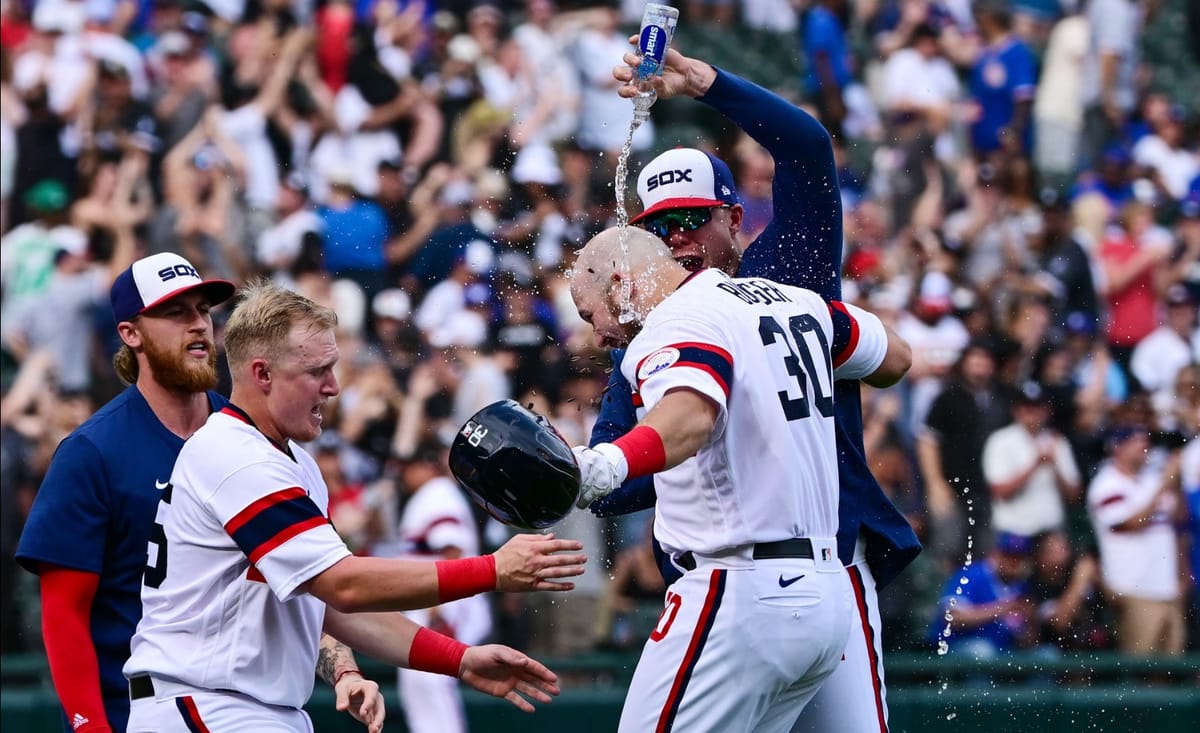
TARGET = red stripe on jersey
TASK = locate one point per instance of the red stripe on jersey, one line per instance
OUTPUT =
(704, 624)
(286, 535)
(860, 598)
(268, 501)
(234, 414)
(254, 575)
(422, 539)
(1115, 498)
(841, 357)
(191, 715)
(637, 400)
(710, 359)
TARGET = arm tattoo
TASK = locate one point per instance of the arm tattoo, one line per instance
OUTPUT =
(333, 656)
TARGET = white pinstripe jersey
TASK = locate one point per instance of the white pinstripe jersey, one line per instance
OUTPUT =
(241, 527)
(766, 354)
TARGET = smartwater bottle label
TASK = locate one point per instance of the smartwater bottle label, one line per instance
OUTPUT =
(658, 25)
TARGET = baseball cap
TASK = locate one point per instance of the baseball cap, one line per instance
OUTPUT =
(1011, 543)
(47, 196)
(158, 278)
(1179, 295)
(392, 303)
(1118, 434)
(684, 178)
(1030, 394)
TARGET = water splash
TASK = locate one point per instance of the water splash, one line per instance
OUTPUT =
(626, 315)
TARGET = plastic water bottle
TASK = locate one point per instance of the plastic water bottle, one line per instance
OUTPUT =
(658, 28)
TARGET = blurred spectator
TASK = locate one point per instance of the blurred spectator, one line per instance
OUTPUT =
(633, 599)
(829, 71)
(296, 224)
(437, 524)
(30, 249)
(433, 260)
(1133, 259)
(1058, 267)
(1190, 477)
(1165, 155)
(1003, 81)
(950, 451)
(1029, 469)
(933, 99)
(448, 297)
(1109, 92)
(1133, 507)
(986, 606)
(1162, 353)
(1058, 102)
(355, 235)
(1065, 589)
(937, 339)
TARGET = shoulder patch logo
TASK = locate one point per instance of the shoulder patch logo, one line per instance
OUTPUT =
(657, 361)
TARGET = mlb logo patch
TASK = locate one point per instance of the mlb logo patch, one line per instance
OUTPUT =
(468, 429)
(656, 362)
(826, 554)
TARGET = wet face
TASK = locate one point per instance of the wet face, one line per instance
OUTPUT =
(176, 338)
(302, 381)
(599, 309)
(700, 237)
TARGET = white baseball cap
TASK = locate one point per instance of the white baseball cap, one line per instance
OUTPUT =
(158, 278)
(685, 178)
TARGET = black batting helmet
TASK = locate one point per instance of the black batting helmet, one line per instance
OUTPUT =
(516, 466)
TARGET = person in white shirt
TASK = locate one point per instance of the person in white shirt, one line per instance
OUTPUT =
(1133, 509)
(245, 569)
(1030, 469)
(733, 384)
(1158, 357)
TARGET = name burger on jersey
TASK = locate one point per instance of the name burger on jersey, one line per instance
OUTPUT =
(754, 292)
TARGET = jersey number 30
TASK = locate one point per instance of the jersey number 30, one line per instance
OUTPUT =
(804, 329)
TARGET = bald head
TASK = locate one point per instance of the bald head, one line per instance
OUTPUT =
(600, 272)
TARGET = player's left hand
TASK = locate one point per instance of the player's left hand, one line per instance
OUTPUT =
(362, 699)
(504, 672)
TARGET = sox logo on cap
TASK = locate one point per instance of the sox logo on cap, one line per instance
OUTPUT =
(685, 178)
(155, 279)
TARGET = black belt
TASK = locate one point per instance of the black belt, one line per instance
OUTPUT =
(140, 686)
(797, 547)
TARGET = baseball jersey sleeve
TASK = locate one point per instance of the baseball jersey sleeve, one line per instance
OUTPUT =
(859, 341)
(278, 526)
(1113, 500)
(68, 523)
(686, 355)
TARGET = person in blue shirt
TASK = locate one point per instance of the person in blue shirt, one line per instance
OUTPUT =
(92, 520)
(1003, 81)
(987, 602)
(829, 61)
(690, 201)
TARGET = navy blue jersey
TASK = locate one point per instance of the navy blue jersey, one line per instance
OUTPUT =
(94, 512)
(801, 246)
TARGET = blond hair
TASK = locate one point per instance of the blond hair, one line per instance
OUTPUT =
(263, 321)
(126, 364)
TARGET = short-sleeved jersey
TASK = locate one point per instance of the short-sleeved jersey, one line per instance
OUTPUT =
(94, 512)
(243, 525)
(767, 356)
(1141, 563)
(435, 518)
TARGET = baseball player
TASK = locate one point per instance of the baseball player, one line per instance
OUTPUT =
(245, 569)
(691, 201)
(737, 372)
(87, 531)
(437, 523)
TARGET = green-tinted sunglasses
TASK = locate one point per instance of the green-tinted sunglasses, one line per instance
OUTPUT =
(686, 220)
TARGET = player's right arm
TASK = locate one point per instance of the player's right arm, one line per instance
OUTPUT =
(63, 542)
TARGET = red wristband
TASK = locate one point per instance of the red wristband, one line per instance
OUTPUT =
(437, 653)
(465, 577)
(644, 451)
(338, 678)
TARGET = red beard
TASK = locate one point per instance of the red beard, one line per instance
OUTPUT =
(178, 372)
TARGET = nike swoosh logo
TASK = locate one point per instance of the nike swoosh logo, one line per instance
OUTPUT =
(160, 485)
(785, 582)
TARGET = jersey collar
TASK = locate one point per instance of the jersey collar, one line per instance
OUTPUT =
(238, 413)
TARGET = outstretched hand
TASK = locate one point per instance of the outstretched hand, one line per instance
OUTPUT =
(529, 562)
(504, 672)
(681, 75)
(361, 698)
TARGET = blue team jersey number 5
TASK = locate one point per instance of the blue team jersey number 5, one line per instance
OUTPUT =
(156, 553)
(801, 365)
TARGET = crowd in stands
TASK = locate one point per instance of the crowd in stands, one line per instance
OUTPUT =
(1021, 196)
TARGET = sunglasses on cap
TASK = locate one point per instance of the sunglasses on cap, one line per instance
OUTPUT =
(686, 220)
